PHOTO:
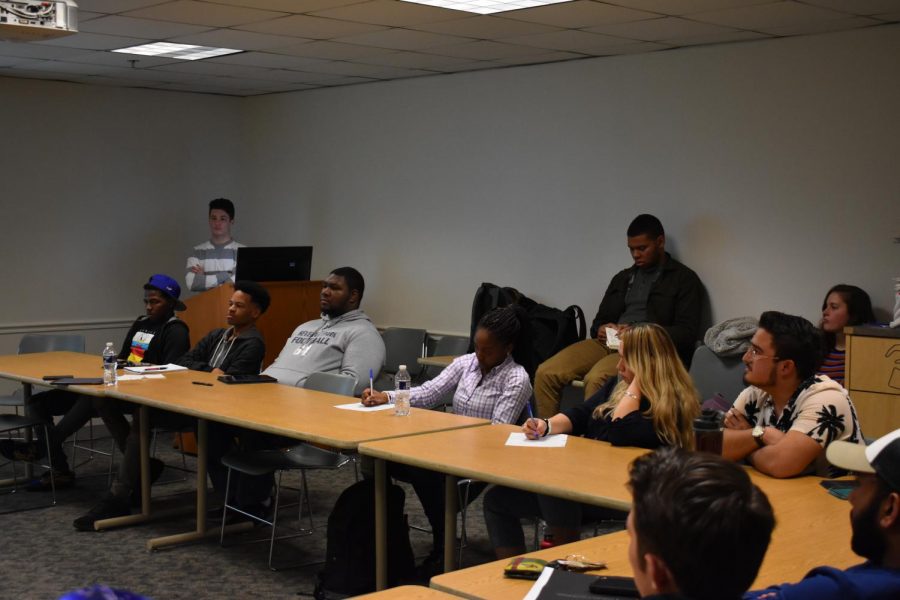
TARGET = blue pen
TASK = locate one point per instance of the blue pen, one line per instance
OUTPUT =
(530, 414)
(371, 381)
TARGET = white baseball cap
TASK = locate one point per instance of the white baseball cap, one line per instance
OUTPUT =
(881, 457)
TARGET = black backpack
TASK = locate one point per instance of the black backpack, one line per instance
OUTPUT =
(350, 552)
(549, 329)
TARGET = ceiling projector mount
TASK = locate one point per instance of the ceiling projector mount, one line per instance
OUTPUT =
(31, 20)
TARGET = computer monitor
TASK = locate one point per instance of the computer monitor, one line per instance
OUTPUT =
(274, 263)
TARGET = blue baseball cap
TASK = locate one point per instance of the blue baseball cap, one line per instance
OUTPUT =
(167, 286)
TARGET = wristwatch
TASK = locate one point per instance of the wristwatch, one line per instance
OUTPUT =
(758, 432)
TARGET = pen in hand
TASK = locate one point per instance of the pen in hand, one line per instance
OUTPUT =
(531, 424)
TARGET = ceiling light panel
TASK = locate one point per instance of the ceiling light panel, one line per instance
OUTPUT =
(486, 7)
(180, 51)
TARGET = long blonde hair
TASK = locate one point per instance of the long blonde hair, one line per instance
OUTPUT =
(674, 401)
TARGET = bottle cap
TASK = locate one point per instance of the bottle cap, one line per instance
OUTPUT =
(402, 367)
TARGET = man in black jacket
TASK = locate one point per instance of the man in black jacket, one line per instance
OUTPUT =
(656, 289)
(157, 337)
(236, 350)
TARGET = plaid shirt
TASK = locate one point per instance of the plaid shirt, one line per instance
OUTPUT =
(500, 395)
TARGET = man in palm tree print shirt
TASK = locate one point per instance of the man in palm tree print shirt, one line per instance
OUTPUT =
(784, 420)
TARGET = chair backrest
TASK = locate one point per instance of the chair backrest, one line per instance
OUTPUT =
(713, 374)
(451, 345)
(446, 345)
(402, 347)
(33, 342)
(331, 382)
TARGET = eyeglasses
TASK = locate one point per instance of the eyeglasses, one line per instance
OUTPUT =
(754, 354)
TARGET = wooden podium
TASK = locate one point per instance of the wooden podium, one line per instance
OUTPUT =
(293, 303)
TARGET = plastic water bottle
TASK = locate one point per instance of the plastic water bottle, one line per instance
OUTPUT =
(401, 396)
(109, 364)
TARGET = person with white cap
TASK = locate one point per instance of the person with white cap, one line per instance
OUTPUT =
(875, 519)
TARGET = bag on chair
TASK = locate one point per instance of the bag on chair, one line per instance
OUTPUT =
(350, 553)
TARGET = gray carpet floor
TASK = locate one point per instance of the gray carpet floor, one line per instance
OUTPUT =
(43, 555)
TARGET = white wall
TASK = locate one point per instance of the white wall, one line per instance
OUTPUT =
(773, 165)
(101, 187)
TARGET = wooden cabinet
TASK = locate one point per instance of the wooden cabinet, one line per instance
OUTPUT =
(873, 377)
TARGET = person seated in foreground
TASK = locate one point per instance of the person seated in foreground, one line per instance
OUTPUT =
(489, 385)
(236, 350)
(656, 288)
(783, 422)
(843, 305)
(157, 337)
(343, 341)
(875, 520)
(652, 405)
(699, 527)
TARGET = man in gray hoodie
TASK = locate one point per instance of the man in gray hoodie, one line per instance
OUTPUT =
(343, 341)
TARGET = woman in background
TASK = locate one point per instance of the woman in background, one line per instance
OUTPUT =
(843, 305)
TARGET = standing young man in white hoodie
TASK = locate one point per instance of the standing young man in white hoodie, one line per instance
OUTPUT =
(343, 341)
(783, 422)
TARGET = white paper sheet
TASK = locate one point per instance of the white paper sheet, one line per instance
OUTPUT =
(551, 441)
(137, 377)
(612, 339)
(535, 590)
(359, 407)
(155, 369)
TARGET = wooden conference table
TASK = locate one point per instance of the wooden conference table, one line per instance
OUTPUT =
(813, 527)
(271, 408)
(576, 472)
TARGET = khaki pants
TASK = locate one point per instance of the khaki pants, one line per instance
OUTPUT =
(589, 360)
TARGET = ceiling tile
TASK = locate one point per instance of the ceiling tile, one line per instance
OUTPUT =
(764, 17)
(305, 26)
(824, 26)
(414, 60)
(484, 50)
(287, 76)
(6, 61)
(116, 59)
(381, 72)
(56, 66)
(544, 57)
(732, 36)
(204, 13)
(232, 38)
(332, 50)
(390, 12)
(340, 80)
(142, 28)
(114, 6)
(570, 40)
(16, 49)
(262, 59)
(888, 17)
(581, 13)
(484, 27)
(84, 15)
(664, 28)
(859, 7)
(288, 6)
(404, 39)
(94, 41)
(638, 48)
(204, 67)
(480, 65)
(684, 7)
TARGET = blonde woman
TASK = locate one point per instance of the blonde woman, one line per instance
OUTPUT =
(652, 404)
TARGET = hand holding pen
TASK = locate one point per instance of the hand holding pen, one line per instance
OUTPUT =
(532, 428)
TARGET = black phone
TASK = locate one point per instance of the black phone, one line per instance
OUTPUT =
(609, 587)
(55, 377)
(247, 379)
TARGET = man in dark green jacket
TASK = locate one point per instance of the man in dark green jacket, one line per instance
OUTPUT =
(655, 289)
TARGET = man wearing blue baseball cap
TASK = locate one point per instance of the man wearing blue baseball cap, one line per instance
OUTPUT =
(875, 520)
(157, 337)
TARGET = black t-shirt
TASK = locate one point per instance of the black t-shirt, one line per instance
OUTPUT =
(634, 429)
